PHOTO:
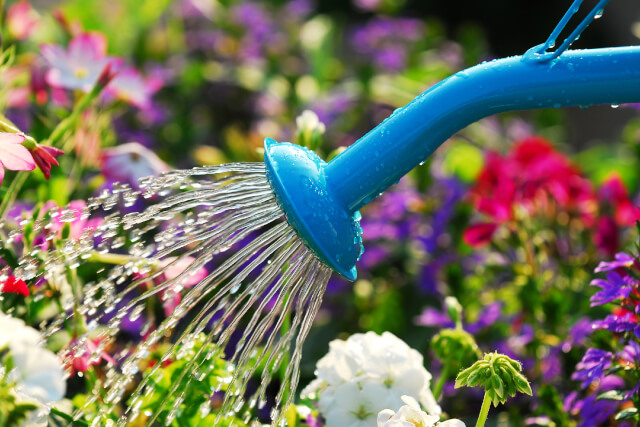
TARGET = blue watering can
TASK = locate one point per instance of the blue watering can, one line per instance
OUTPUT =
(321, 200)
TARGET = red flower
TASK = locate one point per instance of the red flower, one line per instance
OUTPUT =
(532, 179)
(44, 157)
(13, 285)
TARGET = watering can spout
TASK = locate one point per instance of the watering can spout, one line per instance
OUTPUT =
(321, 199)
(412, 133)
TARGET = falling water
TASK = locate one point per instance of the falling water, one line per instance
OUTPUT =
(264, 276)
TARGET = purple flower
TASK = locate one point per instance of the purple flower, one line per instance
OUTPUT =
(127, 163)
(615, 323)
(592, 366)
(578, 333)
(594, 413)
(433, 317)
(631, 353)
(622, 260)
(385, 40)
(488, 316)
(614, 287)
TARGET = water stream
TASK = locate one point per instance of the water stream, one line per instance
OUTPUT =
(256, 304)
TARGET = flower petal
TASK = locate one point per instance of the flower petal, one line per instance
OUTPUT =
(14, 156)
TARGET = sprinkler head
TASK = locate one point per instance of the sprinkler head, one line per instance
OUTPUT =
(332, 232)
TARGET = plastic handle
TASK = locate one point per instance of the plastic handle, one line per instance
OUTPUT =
(405, 139)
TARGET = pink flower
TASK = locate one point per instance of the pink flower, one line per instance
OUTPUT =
(131, 87)
(13, 285)
(171, 296)
(83, 355)
(127, 163)
(479, 234)
(76, 214)
(21, 20)
(13, 155)
(80, 66)
(45, 156)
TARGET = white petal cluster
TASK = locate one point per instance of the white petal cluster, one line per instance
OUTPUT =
(410, 415)
(37, 372)
(365, 374)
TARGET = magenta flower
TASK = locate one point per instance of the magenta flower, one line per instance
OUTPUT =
(21, 20)
(13, 155)
(130, 86)
(76, 214)
(80, 65)
(127, 163)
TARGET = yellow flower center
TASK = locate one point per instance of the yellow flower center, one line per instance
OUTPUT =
(81, 72)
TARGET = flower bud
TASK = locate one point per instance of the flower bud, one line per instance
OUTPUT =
(500, 375)
(45, 156)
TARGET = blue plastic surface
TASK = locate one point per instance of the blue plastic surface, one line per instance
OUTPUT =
(412, 133)
(297, 177)
(321, 200)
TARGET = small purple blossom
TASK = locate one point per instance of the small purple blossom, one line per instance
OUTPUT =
(592, 366)
(614, 287)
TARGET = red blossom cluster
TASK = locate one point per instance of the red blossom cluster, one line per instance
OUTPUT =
(535, 180)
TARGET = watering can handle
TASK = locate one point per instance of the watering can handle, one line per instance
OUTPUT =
(537, 79)
(542, 53)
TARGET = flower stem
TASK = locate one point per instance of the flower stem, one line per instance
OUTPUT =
(484, 410)
(437, 389)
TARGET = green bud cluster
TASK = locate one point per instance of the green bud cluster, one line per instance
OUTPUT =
(499, 374)
(455, 348)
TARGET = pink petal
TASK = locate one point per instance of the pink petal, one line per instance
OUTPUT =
(13, 155)
(477, 235)
(54, 54)
(92, 45)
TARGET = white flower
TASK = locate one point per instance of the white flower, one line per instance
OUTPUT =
(354, 406)
(411, 415)
(37, 372)
(366, 362)
(308, 122)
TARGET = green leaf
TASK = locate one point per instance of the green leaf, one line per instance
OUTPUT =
(613, 395)
(627, 414)
(59, 418)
